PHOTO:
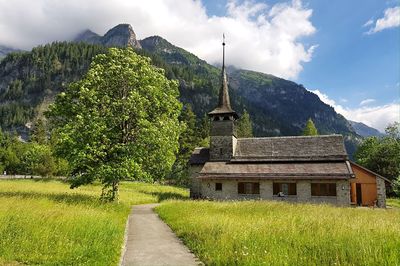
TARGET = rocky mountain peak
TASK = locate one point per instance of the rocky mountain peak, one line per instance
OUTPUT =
(121, 35)
(88, 36)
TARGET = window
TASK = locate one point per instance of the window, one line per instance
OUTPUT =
(218, 186)
(323, 189)
(248, 188)
(285, 188)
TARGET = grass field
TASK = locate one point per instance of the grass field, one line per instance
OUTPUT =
(393, 202)
(46, 223)
(276, 233)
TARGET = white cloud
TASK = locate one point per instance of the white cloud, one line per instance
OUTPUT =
(390, 19)
(259, 37)
(368, 23)
(375, 116)
(367, 101)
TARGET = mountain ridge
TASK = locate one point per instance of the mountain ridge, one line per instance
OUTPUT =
(121, 35)
(5, 50)
(365, 130)
(276, 106)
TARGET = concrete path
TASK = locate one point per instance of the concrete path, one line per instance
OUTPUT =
(150, 242)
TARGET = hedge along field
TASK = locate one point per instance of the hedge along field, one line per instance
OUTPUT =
(277, 233)
(47, 223)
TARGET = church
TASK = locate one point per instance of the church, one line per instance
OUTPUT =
(313, 169)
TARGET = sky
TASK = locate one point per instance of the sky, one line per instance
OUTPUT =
(347, 52)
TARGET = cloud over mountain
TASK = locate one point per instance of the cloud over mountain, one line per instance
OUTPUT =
(378, 117)
(259, 37)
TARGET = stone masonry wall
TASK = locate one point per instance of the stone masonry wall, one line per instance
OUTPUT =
(221, 147)
(195, 183)
(229, 192)
(222, 140)
(381, 192)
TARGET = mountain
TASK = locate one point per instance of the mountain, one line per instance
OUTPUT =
(4, 50)
(121, 35)
(88, 36)
(364, 130)
(29, 81)
(276, 106)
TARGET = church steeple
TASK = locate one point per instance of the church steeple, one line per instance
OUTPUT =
(224, 109)
(222, 129)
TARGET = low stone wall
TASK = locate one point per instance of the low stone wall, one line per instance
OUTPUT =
(20, 177)
(29, 177)
(195, 184)
(230, 191)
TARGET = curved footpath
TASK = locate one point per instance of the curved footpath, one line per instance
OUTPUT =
(150, 242)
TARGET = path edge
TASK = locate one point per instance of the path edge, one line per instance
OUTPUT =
(123, 248)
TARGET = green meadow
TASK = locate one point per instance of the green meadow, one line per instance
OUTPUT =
(276, 233)
(46, 223)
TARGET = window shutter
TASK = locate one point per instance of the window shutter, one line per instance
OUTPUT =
(276, 188)
(241, 188)
(256, 188)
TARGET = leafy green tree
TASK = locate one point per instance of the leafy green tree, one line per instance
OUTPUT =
(38, 160)
(382, 155)
(244, 126)
(119, 122)
(310, 129)
(396, 186)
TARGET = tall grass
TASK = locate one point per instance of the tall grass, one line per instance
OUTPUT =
(46, 223)
(393, 202)
(276, 233)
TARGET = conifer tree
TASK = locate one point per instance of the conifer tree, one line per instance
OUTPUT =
(310, 129)
(188, 140)
(39, 134)
(244, 126)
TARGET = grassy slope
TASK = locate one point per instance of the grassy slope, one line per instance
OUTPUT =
(46, 223)
(275, 233)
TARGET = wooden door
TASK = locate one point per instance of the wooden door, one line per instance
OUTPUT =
(359, 195)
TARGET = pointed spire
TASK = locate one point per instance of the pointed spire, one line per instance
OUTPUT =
(224, 104)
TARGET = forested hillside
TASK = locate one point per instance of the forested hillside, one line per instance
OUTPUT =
(29, 81)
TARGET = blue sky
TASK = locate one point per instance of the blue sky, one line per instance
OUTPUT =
(349, 66)
(345, 51)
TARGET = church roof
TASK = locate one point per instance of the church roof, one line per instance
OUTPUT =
(200, 155)
(294, 170)
(295, 148)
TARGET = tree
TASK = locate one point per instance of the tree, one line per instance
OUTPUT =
(188, 140)
(119, 122)
(396, 186)
(204, 131)
(244, 126)
(310, 129)
(38, 160)
(39, 133)
(382, 155)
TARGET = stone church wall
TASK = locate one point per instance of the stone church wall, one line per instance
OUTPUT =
(230, 192)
